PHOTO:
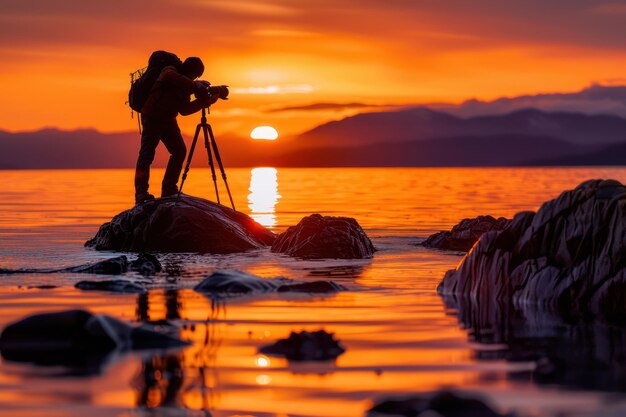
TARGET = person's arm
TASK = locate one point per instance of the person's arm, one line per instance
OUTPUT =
(169, 75)
(193, 106)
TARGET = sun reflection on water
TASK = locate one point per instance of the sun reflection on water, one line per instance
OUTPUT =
(263, 195)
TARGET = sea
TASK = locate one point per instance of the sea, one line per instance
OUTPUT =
(401, 337)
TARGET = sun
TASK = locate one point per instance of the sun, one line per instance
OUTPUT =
(264, 133)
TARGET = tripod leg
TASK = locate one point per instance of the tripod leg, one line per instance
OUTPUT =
(219, 162)
(188, 164)
(208, 151)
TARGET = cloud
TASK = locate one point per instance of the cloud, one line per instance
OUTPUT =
(275, 89)
(325, 106)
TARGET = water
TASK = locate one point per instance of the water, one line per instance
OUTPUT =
(400, 336)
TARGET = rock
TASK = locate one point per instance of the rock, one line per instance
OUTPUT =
(234, 283)
(190, 225)
(441, 404)
(116, 285)
(322, 287)
(306, 346)
(68, 337)
(570, 256)
(319, 237)
(145, 264)
(465, 234)
(113, 266)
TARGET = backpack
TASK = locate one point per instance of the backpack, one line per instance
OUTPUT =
(142, 80)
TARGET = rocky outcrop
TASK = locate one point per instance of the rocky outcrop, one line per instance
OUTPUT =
(68, 337)
(319, 237)
(190, 224)
(440, 404)
(229, 283)
(144, 264)
(465, 234)
(306, 346)
(570, 256)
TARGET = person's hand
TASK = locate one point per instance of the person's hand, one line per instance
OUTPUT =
(207, 100)
(201, 86)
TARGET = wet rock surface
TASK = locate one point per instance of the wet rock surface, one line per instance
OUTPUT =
(190, 225)
(440, 404)
(234, 283)
(77, 338)
(306, 346)
(570, 257)
(116, 285)
(465, 234)
(144, 264)
(320, 237)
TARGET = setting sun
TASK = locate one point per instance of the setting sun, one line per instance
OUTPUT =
(264, 133)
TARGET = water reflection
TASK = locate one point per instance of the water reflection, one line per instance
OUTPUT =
(569, 352)
(263, 195)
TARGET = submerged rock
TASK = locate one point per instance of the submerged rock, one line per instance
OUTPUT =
(116, 285)
(191, 224)
(112, 266)
(306, 346)
(465, 234)
(234, 283)
(441, 404)
(68, 337)
(145, 264)
(319, 237)
(570, 256)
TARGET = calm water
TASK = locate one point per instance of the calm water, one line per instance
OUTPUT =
(399, 335)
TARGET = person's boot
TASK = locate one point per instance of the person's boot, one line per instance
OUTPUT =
(140, 198)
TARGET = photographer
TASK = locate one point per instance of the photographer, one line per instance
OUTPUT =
(170, 95)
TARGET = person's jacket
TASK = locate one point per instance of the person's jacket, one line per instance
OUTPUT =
(171, 95)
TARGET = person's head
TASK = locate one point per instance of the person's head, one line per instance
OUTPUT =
(192, 67)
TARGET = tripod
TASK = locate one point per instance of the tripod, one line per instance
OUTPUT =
(209, 143)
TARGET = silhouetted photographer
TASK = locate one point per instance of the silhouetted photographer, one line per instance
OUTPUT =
(161, 92)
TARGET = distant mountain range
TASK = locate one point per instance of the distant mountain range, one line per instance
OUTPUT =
(424, 123)
(409, 137)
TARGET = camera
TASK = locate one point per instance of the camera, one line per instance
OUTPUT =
(208, 90)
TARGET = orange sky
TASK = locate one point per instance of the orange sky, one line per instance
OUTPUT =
(66, 64)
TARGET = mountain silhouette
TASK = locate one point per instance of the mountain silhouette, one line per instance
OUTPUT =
(423, 123)
(409, 137)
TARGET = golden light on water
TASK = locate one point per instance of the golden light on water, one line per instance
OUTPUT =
(263, 361)
(264, 133)
(263, 195)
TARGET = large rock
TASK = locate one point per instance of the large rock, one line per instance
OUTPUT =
(190, 224)
(570, 256)
(77, 337)
(465, 234)
(319, 237)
